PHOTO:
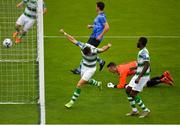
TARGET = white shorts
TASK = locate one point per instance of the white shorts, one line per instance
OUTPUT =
(26, 22)
(87, 73)
(142, 83)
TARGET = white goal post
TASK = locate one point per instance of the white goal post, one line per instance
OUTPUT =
(40, 38)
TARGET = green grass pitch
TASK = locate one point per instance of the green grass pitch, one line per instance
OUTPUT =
(109, 106)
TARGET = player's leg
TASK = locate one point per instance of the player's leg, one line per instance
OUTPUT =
(20, 22)
(88, 77)
(77, 90)
(166, 78)
(154, 81)
(20, 36)
(94, 42)
(27, 26)
(132, 103)
(168, 75)
(17, 28)
(135, 90)
(76, 93)
(101, 63)
(95, 83)
(130, 99)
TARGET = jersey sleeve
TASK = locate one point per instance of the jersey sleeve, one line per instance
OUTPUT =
(102, 19)
(122, 81)
(44, 5)
(98, 50)
(25, 1)
(145, 56)
(80, 44)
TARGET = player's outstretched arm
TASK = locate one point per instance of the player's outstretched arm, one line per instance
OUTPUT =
(44, 10)
(89, 26)
(69, 37)
(105, 48)
(20, 5)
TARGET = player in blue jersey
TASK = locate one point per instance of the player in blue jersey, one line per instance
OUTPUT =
(99, 28)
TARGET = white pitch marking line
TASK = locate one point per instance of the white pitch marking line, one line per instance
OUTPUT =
(118, 37)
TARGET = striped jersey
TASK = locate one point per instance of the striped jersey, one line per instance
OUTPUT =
(31, 8)
(90, 60)
(143, 56)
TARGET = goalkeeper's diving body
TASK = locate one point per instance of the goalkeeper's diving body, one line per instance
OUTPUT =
(89, 54)
(129, 69)
(27, 19)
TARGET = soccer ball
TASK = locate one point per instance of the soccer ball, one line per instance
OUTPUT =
(7, 43)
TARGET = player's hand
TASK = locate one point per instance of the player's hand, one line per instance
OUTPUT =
(44, 10)
(137, 80)
(61, 30)
(89, 26)
(109, 45)
(110, 85)
(19, 5)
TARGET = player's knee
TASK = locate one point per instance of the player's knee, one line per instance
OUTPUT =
(17, 27)
(133, 94)
(128, 90)
(80, 83)
(24, 32)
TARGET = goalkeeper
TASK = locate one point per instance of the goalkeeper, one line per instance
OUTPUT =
(27, 19)
(129, 69)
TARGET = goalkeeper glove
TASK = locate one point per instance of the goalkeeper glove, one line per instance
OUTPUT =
(110, 85)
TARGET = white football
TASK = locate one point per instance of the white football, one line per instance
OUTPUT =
(7, 43)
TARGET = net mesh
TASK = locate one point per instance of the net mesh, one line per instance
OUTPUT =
(18, 64)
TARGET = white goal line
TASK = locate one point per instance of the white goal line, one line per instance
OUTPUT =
(119, 37)
(15, 103)
(17, 61)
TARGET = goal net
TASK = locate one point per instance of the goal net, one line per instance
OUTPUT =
(19, 64)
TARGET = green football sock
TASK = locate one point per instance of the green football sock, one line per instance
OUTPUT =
(21, 35)
(132, 102)
(76, 94)
(94, 82)
(140, 103)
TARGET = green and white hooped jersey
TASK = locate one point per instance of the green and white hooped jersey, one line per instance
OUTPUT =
(143, 56)
(89, 61)
(31, 8)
